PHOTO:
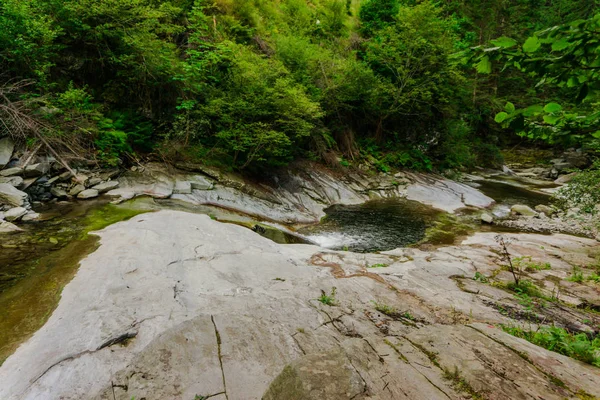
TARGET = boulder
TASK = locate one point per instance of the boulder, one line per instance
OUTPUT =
(11, 195)
(317, 376)
(549, 211)
(7, 227)
(562, 166)
(11, 171)
(30, 216)
(182, 187)
(7, 146)
(57, 192)
(34, 170)
(93, 181)
(15, 181)
(487, 218)
(200, 183)
(65, 175)
(88, 194)
(75, 190)
(106, 186)
(507, 170)
(521, 209)
(576, 158)
(15, 214)
(561, 180)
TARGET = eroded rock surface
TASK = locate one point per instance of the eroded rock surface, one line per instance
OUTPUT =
(174, 305)
(295, 196)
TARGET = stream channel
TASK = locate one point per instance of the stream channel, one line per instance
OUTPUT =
(37, 263)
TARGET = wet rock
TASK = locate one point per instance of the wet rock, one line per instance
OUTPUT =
(106, 186)
(11, 171)
(59, 193)
(521, 209)
(487, 218)
(15, 181)
(7, 227)
(11, 195)
(88, 194)
(182, 187)
(7, 146)
(15, 214)
(35, 170)
(75, 190)
(317, 376)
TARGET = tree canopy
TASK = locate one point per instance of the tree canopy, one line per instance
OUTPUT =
(250, 84)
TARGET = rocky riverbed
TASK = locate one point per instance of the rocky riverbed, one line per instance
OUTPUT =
(176, 305)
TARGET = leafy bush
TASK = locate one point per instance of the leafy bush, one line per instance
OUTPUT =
(582, 192)
(578, 346)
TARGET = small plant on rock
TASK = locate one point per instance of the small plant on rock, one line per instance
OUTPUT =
(385, 309)
(576, 275)
(480, 277)
(379, 265)
(328, 299)
(514, 268)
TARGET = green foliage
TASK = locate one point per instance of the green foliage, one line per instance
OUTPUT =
(379, 265)
(256, 84)
(525, 287)
(480, 277)
(527, 264)
(578, 346)
(583, 191)
(328, 299)
(565, 57)
(377, 14)
(576, 275)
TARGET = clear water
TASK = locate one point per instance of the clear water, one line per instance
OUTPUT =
(374, 226)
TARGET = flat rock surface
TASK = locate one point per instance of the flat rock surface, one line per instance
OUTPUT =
(175, 305)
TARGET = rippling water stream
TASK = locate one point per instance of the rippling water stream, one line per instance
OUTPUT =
(373, 226)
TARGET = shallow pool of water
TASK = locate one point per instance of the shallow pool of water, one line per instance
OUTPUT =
(374, 226)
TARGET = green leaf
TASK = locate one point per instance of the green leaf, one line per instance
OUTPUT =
(509, 107)
(531, 44)
(504, 42)
(560, 44)
(552, 107)
(596, 134)
(501, 117)
(484, 66)
(533, 110)
(551, 119)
